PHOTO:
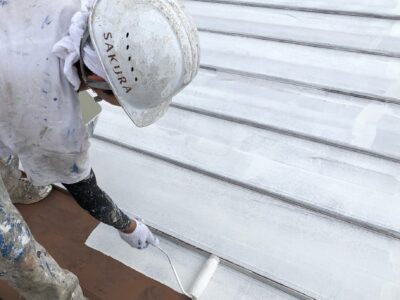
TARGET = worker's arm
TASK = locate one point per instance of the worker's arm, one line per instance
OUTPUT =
(94, 200)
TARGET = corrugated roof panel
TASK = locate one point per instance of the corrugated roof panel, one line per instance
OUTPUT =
(345, 121)
(353, 73)
(227, 283)
(379, 36)
(307, 252)
(337, 182)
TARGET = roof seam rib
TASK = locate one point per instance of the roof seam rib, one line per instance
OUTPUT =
(302, 84)
(307, 9)
(286, 132)
(303, 43)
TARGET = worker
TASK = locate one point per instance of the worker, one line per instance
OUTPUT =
(136, 54)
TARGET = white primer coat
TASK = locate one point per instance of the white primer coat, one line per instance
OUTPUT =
(365, 126)
(319, 256)
(226, 283)
(287, 107)
(343, 182)
(282, 94)
(330, 30)
(326, 68)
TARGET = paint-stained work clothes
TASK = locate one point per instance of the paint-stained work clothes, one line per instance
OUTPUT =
(40, 117)
(19, 188)
(94, 200)
(26, 265)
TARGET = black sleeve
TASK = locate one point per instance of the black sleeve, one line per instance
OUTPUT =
(94, 200)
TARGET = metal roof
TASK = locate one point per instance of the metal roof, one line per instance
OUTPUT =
(282, 158)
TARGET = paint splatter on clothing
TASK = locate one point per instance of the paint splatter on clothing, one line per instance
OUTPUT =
(14, 236)
(94, 200)
(25, 264)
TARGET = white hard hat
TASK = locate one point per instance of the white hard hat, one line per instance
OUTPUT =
(149, 50)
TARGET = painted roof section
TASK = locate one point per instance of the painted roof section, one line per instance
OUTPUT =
(282, 158)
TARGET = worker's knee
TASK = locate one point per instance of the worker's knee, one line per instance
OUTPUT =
(15, 238)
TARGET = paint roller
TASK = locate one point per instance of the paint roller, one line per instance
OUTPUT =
(203, 277)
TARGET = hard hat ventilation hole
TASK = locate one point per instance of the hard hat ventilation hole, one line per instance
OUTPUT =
(130, 58)
(132, 69)
(127, 47)
(127, 34)
(136, 79)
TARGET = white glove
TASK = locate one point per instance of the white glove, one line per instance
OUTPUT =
(141, 238)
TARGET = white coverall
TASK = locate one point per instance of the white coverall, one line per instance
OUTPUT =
(40, 118)
(40, 121)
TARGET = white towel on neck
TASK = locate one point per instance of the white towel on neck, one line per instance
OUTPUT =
(68, 50)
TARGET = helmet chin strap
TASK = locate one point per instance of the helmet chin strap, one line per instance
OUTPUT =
(89, 83)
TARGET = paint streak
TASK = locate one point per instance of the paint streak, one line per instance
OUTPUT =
(365, 126)
(47, 21)
(43, 132)
(6, 249)
(75, 168)
(70, 132)
(19, 254)
(14, 236)
(49, 270)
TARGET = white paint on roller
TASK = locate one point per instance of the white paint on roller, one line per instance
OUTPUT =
(366, 124)
(204, 277)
